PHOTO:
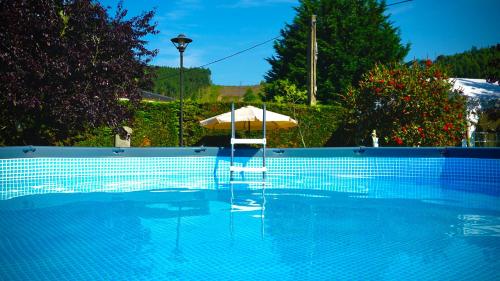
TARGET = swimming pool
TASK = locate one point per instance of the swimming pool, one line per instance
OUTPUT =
(325, 214)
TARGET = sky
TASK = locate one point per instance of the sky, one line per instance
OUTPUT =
(222, 27)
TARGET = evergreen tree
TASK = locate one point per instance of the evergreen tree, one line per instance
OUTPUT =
(476, 63)
(352, 37)
(166, 81)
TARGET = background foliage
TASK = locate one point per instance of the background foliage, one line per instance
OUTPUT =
(481, 63)
(352, 36)
(166, 81)
(64, 65)
(283, 91)
(156, 124)
(408, 106)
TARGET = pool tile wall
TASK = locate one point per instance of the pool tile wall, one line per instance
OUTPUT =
(25, 176)
(472, 174)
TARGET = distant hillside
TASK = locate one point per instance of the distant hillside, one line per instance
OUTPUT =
(198, 85)
(166, 81)
(476, 63)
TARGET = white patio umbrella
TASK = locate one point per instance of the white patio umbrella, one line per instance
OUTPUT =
(249, 118)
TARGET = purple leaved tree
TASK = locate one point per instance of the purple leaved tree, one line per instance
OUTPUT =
(64, 65)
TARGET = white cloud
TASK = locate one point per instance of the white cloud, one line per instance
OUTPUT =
(176, 15)
(169, 56)
(189, 3)
(256, 3)
(183, 8)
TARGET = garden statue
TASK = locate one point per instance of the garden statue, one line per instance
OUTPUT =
(374, 138)
(123, 139)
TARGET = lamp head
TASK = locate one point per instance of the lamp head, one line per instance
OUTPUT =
(181, 42)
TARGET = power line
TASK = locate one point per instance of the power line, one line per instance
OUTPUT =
(253, 47)
(400, 2)
(239, 52)
(224, 58)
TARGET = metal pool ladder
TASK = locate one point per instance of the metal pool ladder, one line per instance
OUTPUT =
(262, 141)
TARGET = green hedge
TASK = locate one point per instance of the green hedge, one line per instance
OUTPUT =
(156, 124)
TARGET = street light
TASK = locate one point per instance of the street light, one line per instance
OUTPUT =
(181, 42)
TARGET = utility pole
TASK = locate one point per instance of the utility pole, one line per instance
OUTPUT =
(312, 60)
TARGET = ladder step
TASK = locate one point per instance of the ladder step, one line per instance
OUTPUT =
(248, 141)
(249, 182)
(247, 169)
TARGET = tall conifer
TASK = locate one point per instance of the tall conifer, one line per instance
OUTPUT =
(352, 37)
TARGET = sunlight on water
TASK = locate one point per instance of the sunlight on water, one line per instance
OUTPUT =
(250, 235)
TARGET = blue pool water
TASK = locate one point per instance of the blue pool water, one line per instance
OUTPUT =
(423, 233)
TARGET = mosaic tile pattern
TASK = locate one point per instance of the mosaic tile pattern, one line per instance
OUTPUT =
(475, 175)
(276, 235)
(26, 176)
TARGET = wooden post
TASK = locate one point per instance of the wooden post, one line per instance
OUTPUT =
(312, 58)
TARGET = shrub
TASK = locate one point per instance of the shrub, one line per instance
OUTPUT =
(408, 106)
(284, 91)
(156, 124)
(250, 96)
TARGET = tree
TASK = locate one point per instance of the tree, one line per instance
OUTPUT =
(492, 72)
(166, 81)
(481, 63)
(352, 36)
(64, 65)
(283, 91)
(408, 106)
(250, 96)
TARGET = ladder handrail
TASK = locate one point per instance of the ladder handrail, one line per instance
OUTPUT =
(262, 141)
(233, 134)
(264, 137)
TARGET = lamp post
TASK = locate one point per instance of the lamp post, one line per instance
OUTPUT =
(181, 42)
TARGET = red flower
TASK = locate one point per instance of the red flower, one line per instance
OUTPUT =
(420, 130)
(378, 90)
(428, 63)
(407, 98)
(400, 86)
(398, 140)
(447, 126)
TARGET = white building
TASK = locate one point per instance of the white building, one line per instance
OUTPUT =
(483, 95)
